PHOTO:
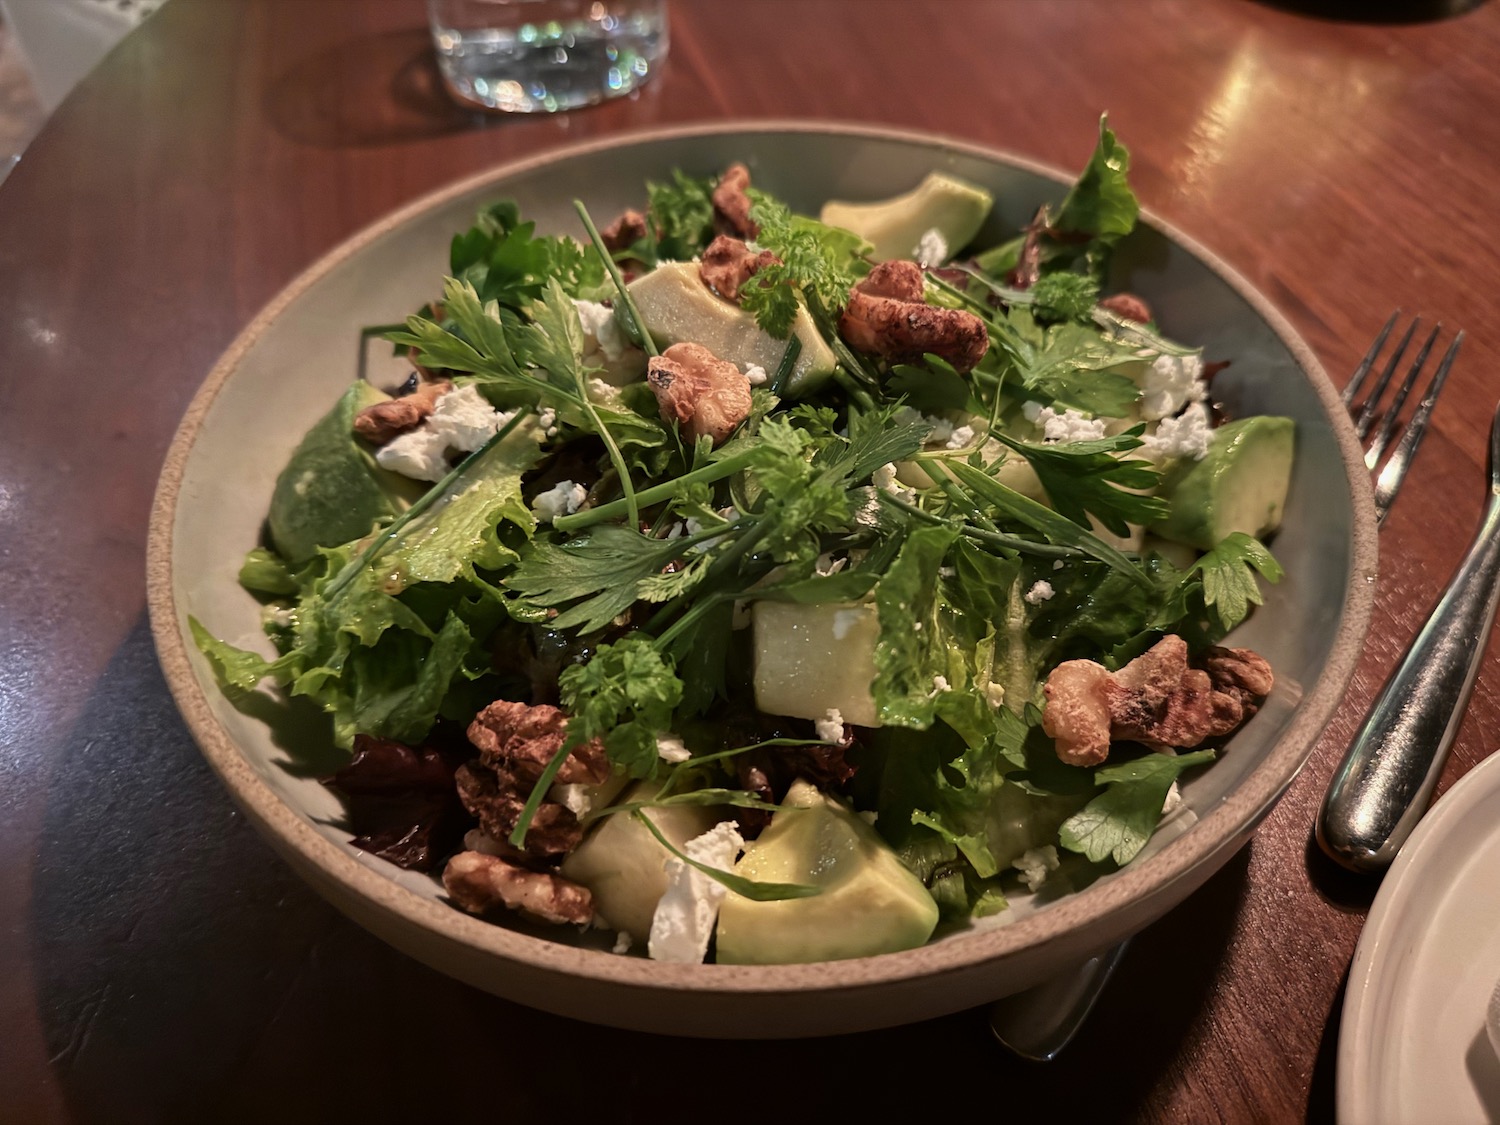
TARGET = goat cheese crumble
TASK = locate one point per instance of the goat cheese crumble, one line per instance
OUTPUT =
(1036, 864)
(670, 748)
(1063, 425)
(562, 499)
(830, 729)
(1040, 591)
(931, 249)
(1170, 383)
(1187, 435)
(600, 326)
(684, 918)
(756, 374)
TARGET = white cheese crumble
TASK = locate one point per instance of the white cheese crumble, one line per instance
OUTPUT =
(1040, 591)
(623, 942)
(931, 249)
(940, 685)
(885, 478)
(995, 693)
(573, 797)
(420, 454)
(756, 374)
(684, 918)
(1036, 864)
(960, 437)
(670, 748)
(465, 420)
(1187, 435)
(600, 326)
(562, 499)
(830, 729)
(1173, 801)
(547, 420)
(1169, 384)
(1066, 425)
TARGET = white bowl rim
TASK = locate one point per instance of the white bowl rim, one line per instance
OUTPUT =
(290, 832)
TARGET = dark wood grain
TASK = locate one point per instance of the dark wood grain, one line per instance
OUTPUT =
(156, 963)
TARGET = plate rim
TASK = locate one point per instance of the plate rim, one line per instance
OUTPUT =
(290, 834)
(1356, 1083)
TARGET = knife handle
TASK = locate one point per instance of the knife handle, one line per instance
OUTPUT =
(1387, 777)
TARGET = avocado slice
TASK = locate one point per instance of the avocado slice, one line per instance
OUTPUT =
(870, 903)
(621, 862)
(678, 308)
(954, 208)
(810, 658)
(1240, 485)
(331, 490)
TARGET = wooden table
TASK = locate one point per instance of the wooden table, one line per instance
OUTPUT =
(158, 964)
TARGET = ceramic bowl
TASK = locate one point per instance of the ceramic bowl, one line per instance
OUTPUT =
(291, 362)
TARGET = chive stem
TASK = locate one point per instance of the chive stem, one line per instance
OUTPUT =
(637, 325)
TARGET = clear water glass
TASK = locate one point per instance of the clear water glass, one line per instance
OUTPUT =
(542, 56)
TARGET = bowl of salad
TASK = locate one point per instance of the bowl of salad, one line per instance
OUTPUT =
(770, 580)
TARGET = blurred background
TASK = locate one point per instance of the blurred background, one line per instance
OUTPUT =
(46, 46)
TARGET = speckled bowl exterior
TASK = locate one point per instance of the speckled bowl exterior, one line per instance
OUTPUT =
(292, 361)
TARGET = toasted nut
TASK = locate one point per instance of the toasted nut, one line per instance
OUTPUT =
(732, 205)
(886, 316)
(628, 229)
(478, 882)
(1156, 699)
(523, 739)
(1129, 306)
(728, 263)
(700, 392)
(380, 423)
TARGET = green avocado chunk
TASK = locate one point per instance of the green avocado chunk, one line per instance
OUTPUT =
(870, 903)
(678, 308)
(332, 491)
(952, 207)
(1240, 485)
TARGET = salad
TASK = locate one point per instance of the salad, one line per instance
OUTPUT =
(766, 588)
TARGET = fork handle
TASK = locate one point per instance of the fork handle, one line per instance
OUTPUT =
(1383, 785)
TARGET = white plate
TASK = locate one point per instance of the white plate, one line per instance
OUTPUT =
(1413, 1047)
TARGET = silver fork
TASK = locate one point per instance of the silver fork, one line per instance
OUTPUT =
(1039, 1023)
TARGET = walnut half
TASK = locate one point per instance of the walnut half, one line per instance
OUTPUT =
(888, 316)
(1156, 699)
(478, 882)
(380, 423)
(699, 391)
(728, 263)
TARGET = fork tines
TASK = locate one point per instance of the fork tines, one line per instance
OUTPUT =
(1370, 412)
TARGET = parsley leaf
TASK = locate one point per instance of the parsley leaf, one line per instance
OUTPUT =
(1228, 576)
(1083, 477)
(1117, 823)
(505, 261)
(625, 695)
(816, 259)
(1065, 296)
(681, 217)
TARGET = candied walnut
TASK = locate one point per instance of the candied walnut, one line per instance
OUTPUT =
(1129, 306)
(886, 316)
(1076, 715)
(478, 882)
(699, 391)
(380, 423)
(728, 263)
(1156, 699)
(1240, 672)
(628, 229)
(732, 205)
(496, 798)
(523, 738)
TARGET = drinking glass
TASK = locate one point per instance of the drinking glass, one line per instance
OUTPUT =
(541, 56)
